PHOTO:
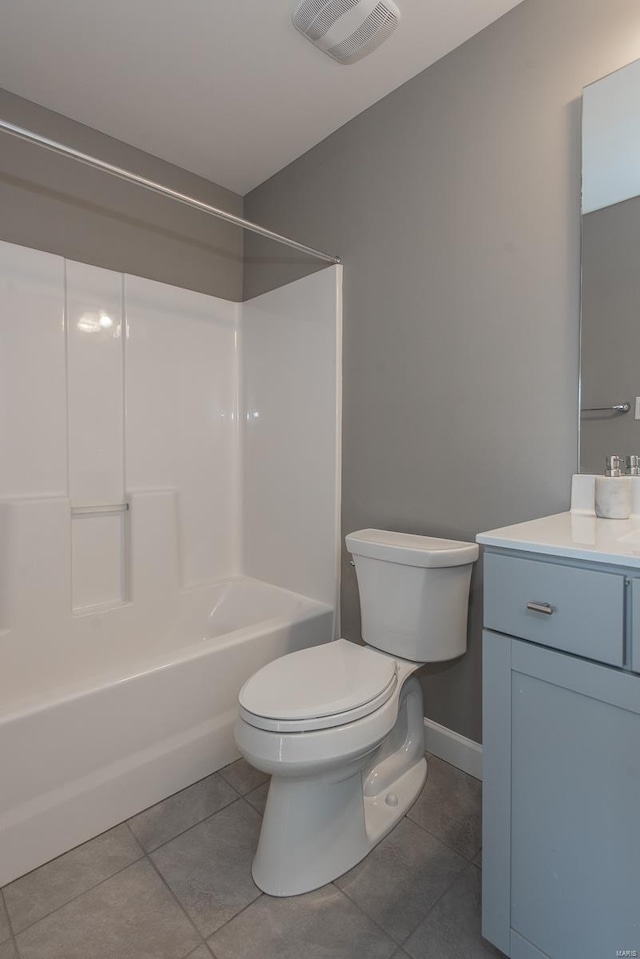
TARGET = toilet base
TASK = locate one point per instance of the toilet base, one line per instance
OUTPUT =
(380, 816)
(316, 828)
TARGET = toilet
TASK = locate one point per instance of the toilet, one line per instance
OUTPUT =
(340, 727)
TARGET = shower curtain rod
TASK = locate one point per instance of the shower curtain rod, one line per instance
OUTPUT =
(63, 150)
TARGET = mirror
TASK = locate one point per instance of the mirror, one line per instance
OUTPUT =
(610, 332)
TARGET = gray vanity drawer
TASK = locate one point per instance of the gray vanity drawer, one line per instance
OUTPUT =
(586, 607)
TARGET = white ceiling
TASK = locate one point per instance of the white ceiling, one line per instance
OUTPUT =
(225, 88)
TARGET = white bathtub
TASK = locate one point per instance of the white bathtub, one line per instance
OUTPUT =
(108, 720)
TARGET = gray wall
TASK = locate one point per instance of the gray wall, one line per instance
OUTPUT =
(54, 204)
(455, 203)
(610, 331)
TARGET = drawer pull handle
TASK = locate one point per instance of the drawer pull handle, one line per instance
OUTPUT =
(545, 608)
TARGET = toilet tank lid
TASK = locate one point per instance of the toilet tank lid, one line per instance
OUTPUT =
(409, 549)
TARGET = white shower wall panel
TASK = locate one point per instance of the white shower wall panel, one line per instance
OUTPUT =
(95, 387)
(35, 561)
(33, 416)
(181, 417)
(291, 374)
(95, 384)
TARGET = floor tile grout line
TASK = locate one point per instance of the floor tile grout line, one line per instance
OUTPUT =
(80, 894)
(248, 792)
(464, 870)
(175, 898)
(231, 918)
(230, 785)
(232, 802)
(400, 944)
(253, 808)
(370, 918)
(211, 950)
(143, 854)
(216, 772)
(407, 815)
(12, 934)
(178, 792)
(444, 842)
(148, 852)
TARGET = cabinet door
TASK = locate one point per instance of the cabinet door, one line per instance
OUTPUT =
(635, 625)
(573, 791)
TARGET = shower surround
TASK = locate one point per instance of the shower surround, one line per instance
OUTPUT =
(169, 522)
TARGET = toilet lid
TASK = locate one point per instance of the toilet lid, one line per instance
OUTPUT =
(318, 687)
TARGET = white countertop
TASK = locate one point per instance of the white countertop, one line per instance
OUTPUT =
(574, 535)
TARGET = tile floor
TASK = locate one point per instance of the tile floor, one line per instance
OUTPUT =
(175, 882)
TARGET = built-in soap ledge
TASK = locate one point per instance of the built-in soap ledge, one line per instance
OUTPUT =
(126, 553)
(58, 560)
(583, 495)
(99, 510)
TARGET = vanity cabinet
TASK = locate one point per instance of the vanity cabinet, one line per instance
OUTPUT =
(561, 758)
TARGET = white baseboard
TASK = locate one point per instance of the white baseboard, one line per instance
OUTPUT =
(453, 748)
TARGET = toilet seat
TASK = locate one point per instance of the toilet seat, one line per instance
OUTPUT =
(318, 688)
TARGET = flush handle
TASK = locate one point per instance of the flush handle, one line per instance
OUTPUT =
(545, 608)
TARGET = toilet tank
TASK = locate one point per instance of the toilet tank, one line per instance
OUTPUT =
(414, 593)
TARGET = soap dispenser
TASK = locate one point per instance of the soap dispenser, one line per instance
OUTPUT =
(614, 491)
(633, 466)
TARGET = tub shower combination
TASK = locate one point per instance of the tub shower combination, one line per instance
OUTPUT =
(168, 525)
(118, 735)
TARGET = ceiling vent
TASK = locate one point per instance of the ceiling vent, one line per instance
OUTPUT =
(346, 30)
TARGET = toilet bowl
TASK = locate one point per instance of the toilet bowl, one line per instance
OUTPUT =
(340, 727)
(330, 799)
